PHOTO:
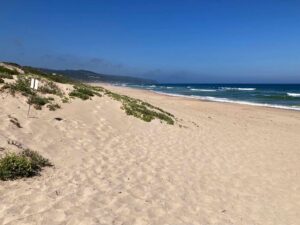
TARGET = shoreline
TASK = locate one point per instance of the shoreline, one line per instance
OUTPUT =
(206, 99)
(225, 100)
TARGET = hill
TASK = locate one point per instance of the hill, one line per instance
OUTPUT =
(85, 75)
(89, 76)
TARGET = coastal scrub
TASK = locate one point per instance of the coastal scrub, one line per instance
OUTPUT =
(25, 164)
(141, 109)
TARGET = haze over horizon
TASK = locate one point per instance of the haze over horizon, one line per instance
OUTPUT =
(169, 41)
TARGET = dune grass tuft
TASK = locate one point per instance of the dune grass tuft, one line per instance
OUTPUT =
(21, 85)
(141, 109)
(50, 88)
(4, 70)
(37, 101)
(53, 107)
(84, 92)
(25, 164)
(36, 158)
(6, 76)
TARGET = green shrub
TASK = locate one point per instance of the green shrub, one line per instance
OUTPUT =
(141, 109)
(50, 99)
(84, 92)
(37, 101)
(97, 88)
(22, 85)
(26, 164)
(6, 76)
(144, 113)
(78, 94)
(36, 158)
(65, 100)
(156, 108)
(50, 88)
(14, 166)
(53, 107)
(4, 70)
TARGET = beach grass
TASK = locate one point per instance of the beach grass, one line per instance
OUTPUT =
(37, 101)
(21, 85)
(4, 70)
(140, 109)
(53, 107)
(84, 92)
(25, 164)
(6, 76)
(49, 87)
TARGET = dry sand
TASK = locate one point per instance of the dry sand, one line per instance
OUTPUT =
(227, 164)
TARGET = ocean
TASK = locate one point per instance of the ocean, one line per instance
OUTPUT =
(284, 96)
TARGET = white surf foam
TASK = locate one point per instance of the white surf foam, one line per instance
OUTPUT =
(294, 94)
(204, 90)
(226, 100)
(237, 89)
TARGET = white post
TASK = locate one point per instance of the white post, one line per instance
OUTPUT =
(34, 84)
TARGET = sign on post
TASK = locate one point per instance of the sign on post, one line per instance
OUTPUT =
(34, 84)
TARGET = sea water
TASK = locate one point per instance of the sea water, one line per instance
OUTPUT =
(285, 96)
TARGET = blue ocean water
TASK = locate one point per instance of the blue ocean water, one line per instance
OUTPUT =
(286, 96)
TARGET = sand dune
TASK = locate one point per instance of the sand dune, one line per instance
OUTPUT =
(220, 164)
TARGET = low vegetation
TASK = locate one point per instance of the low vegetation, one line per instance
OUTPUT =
(48, 86)
(22, 85)
(36, 158)
(53, 107)
(65, 99)
(4, 70)
(141, 109)
(84, 92)
(25, 164)
(37, 101)
(6, 76)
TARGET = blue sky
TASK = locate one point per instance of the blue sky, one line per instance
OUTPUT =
(171, 41)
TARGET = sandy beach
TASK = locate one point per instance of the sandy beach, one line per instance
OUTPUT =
(219, 164)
